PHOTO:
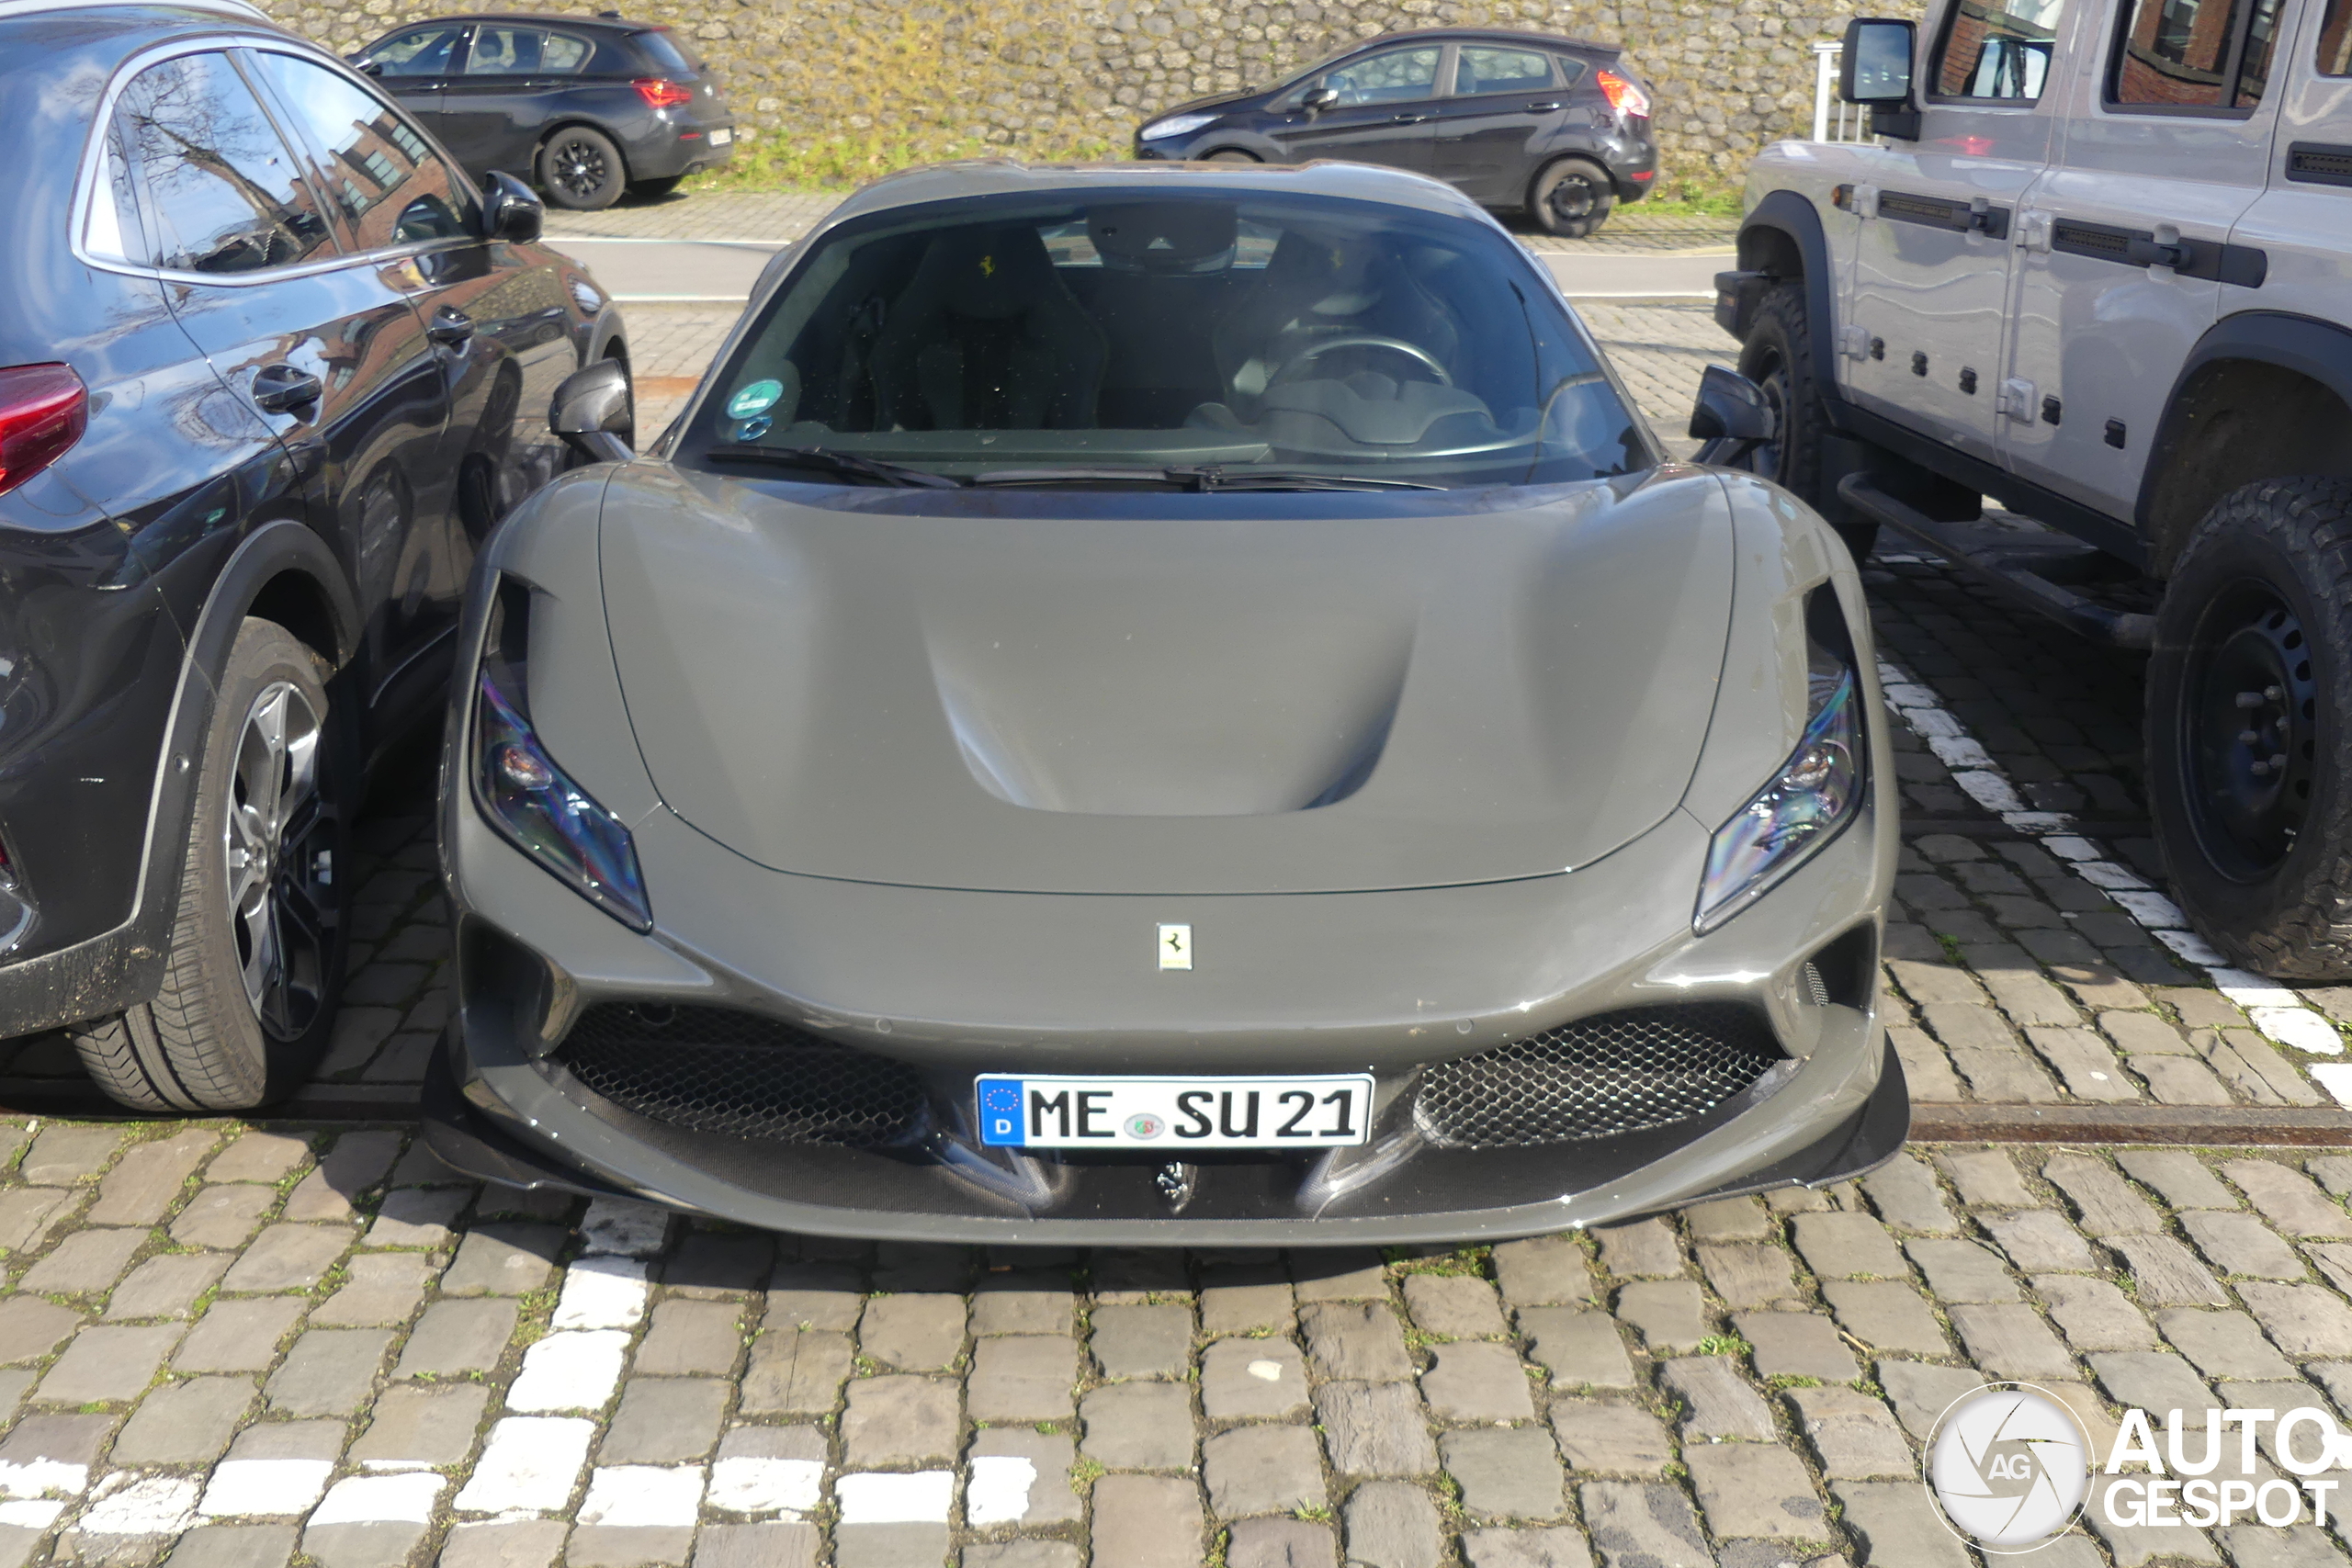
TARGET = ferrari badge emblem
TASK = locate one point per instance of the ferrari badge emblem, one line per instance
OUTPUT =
(1175, 947)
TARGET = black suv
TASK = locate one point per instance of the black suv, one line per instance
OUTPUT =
(1553, 126)
(270, 369)
(586, 107)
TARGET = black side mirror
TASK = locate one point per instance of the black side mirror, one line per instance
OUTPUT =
(1875, 70)
(510, 210)
(1731, 416)
(595, 412)
(367, 67)
(1317, 99)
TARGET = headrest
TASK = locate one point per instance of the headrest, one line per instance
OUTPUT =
(1163, 236)
(987, 273)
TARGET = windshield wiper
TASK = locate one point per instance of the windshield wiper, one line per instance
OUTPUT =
(1284, 478)
(1020, 477)
(847, 463)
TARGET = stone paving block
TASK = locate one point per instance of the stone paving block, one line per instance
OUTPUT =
(1717, 1401)
(2094, 1314)
(239, 1335)
(1855, 1435)
(1139, 1425)
(2242, 1243)
(356, 1162)
(456, 1337)
(1556, 1547)
(29, 1213)
(1019, 1477)
(2143, 1034)
(665, 1421)
(1267, 1468)
(1130, 1277)
(2297, 1546)
(2222, 1344)
(1142, 1342)
(383, 1290)
(898, 1420)
(1885, 1315)
(689, 1338)
(1339, 1274)
(1033, 1303)
(1921, 1393)
(257, 1156)
(2178, 1176)
(286, 1257)
(2167, 1273)
(1244, 1378)
(1848, 1246)
(914, 1333)
(1962, 1272)
(329, 1372)
(2152, 1380)
(107, 1363)
(30, 1328)
(2108, 1206)
(1268, 1543)
(2135, 1544)
(2289, 1201)
(575, 1371)
(531, 1463)
(2084, 1064)
(1634, 1525)
(1925, 982)
(504, 1257)
(1986, 1178)
(1476, 1381)
(603, 1290)
(1255, 1307)
(234, 1546)
(64, 1155)
(1455, 1307)
(372, 1521)
(1579, 1347)
(1545, 1270)
(1147, 1521)
(1728, 1219)
(1601, 1437)
(223, 1217)
(161, 1287)
(1353, 1339)
(1894, 1524)
(417, 1216)
(277, 1468)
(718, 1266)
(1392, 1525)
(145, 1182)
(1754, 1489)
(1797, 1345)
(814, 1296)
(2039, 1240)
(1374, 1429)
(186, 1422)
(784, 1546)
(771, 1470)
(411, 1424)
(1748, 1274)
(2011, 1341)
(1925, 1067)
(2302, 1320)
(1024, 1377)
(2181, 1080)
(1671, 1313)
(1643, 1250)
(1905, 1193)
(1506, 1472)
(85, 1262)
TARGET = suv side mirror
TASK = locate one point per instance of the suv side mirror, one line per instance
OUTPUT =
(1732, 415)
(1317, 99)
(1875, 70)
(510, 211)
(594, 412)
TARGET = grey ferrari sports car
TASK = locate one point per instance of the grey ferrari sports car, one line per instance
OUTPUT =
(1175, 704)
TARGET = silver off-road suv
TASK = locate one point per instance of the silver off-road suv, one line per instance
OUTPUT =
(2096, 265)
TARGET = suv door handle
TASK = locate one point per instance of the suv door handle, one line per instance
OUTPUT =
(281, 389)
(1407, 119)
(450, 328)
(1542, 109)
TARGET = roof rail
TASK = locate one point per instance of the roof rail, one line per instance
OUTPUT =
(241, 9)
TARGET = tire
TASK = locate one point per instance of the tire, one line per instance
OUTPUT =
(582, 170)
(254, 967)
(1229, 155)
(2253, 640)
(1778, 356)
(1571, 198)
(647, 189)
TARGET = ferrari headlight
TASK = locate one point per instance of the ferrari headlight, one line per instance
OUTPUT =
(530, 800)
(1176, 125)
(1817, 793)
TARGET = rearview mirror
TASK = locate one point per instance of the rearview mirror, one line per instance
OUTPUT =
(1317, 99)
(510, 212)
(1730, 415)
(1874, 68)
(595, 413)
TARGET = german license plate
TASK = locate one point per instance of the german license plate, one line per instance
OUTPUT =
(722, 136)
(1321, 1111)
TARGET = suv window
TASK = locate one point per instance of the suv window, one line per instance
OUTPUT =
(424, 52)
(1501, 71)
(525, 52)
(1395, 76)
(1998, 50)
(222, 193)
(392, 188)
(2179, 54)
(2335, 39)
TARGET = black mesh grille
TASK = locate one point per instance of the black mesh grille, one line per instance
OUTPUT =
(714, 1070)
(1621, 1072)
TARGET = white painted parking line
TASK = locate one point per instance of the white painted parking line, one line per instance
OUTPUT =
(528, 1465)
(569, 1371)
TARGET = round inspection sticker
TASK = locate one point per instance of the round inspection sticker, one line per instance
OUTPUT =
(757, 398)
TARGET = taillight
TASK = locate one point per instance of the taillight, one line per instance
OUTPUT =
(1622, 95)
(661, 93)
(43, 411)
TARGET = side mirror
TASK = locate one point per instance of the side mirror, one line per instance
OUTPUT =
(595, 413)
(1874, 68)
(510, 211)
(1317, 99)
(366, 66)
(1731, 416)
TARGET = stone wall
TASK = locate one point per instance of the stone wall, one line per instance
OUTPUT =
(916, 79)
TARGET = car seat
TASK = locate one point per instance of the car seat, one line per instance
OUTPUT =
(1319, 286)
(986, 337)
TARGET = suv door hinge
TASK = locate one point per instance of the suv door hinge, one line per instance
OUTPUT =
(2033, 231)
(1854, 341)
(1866, 201)
(2015, 399)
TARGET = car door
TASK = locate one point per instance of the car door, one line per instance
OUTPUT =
(497, 103)
(2298, 220)
(1504, 100)
(2126, 257)
(415, 67)
(1931, 257)
(1382, 115)
(322, 343)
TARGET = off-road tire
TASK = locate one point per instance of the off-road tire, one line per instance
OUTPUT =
(2265, 575)
(200, 1044)
(581, 169)
(1778, 356)
(647, 189)
(1571, 198)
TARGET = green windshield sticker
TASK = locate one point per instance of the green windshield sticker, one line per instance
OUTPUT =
(756, 398)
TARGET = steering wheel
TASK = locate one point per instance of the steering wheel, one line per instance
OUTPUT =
(1420, 356)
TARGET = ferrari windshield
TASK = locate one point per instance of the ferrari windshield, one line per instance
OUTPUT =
(1109, 339)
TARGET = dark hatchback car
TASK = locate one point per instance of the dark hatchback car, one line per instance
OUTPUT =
(271, 368)
(1553, 126)
(585, 107)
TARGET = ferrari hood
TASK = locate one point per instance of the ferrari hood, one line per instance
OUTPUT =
(956, 692)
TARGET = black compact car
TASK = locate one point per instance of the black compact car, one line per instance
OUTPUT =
(587, 108)
(1553, 126)
(271, 368)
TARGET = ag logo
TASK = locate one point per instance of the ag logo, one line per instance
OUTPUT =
(2009, 1466)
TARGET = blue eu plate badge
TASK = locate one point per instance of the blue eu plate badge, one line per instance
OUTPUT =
(1000, 1111)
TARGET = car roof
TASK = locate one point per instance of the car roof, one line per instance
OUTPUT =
(538, 18)
(236, 8)
(1491, 35)
(999, 176)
